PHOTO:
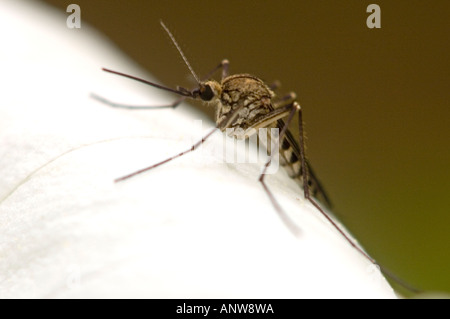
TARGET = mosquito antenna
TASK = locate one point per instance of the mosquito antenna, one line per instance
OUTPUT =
(181, 52)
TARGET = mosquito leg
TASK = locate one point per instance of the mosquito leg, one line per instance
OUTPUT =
(288, 98)
(307, 193)
(137, 107)
(312, 201)
(275, 85)
(224, 123)
(183, 92)
(225, 65)
(295, 230)
(192, 148)
(295, 107)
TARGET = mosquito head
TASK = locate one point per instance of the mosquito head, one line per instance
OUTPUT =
(207, 91)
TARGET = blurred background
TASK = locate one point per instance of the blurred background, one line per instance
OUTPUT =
(375, 101)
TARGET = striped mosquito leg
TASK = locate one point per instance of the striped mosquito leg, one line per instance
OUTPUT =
(289, 223)
(307, 193)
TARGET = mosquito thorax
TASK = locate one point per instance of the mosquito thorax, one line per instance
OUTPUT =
(245, 89)
(247, 93)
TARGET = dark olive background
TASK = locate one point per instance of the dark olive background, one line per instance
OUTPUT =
(375, 101)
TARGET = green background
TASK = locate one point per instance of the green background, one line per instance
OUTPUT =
(375, 101)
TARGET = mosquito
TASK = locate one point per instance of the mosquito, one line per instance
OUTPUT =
(245, 104)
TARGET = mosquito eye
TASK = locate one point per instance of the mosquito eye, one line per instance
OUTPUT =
(206, 93)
